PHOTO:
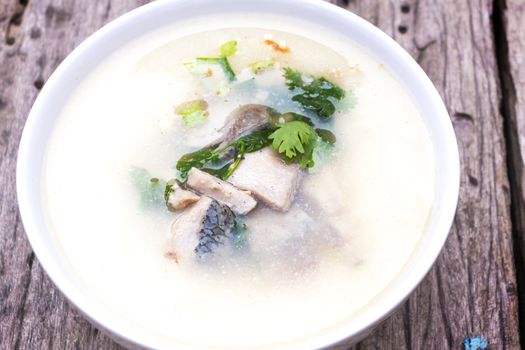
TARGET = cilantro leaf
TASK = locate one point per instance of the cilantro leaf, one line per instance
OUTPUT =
(324, 108)
(229, 48)
(294, 79)
(295, 141)
(315, 93)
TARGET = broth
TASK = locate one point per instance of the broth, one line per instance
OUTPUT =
(354, 221)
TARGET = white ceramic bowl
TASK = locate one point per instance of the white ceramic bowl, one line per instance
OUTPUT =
(146, 19)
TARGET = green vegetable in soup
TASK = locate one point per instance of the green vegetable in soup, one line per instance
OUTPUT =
(240, 233)
(169, 189)
(197, 159)
(259, 66)
(224, 161)
(323, 153)
(227, 49)
(247, 144)
(223, 62)
(253, 142)
(316, 94)
(278, 120)
(326, 135)
(193, 112)
(292, 135)
(197, 69)
(295, 141)
(150, 189)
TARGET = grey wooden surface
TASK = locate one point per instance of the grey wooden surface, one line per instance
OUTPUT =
(474, 52)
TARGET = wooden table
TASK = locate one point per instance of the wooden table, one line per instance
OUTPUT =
(474, 52)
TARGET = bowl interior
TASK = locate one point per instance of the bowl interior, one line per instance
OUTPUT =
(147, 20)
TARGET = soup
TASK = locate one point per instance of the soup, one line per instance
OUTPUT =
(238, 187)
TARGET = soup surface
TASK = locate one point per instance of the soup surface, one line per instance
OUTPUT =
(350, 226)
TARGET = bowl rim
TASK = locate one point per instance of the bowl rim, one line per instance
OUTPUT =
(102, 318)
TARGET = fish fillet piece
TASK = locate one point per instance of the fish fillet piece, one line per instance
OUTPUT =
(216, 229)
(180, 198)
(241, 121)
(201, 229)
(268, 177)
(185, 230)
(241, 202)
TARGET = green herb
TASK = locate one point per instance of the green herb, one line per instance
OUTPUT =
(191, 107)
(150, 189)
(240, 233)
(169, 189)
(294, 79)
(194, 119)
(193, 112)
(224, 161)
(197, 159)
(323, 153)
(277, 119)
(246, 88)
(223, 62)
(253, 142)
(291, 134)
(198, 70)
(223, 89)
(295, 141)
(259, 66)
(227, 49)
(326, 135)
(315, 94)
(291, 137)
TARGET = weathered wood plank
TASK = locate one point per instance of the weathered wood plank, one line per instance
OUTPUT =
(470, 292)
(35, 37)
(472, 289)
(510, 35)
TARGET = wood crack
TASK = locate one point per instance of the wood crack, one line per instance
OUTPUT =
(15, 21)
(22, 312)
(442, 298)
(514, 164)
(406, 323)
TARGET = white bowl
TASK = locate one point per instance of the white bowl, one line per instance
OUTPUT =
(146, 19)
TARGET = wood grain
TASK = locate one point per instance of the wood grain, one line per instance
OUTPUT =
(510, 37)
(36, 37)
(471, 291)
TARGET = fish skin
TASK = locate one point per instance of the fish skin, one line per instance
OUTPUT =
(216, 229)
